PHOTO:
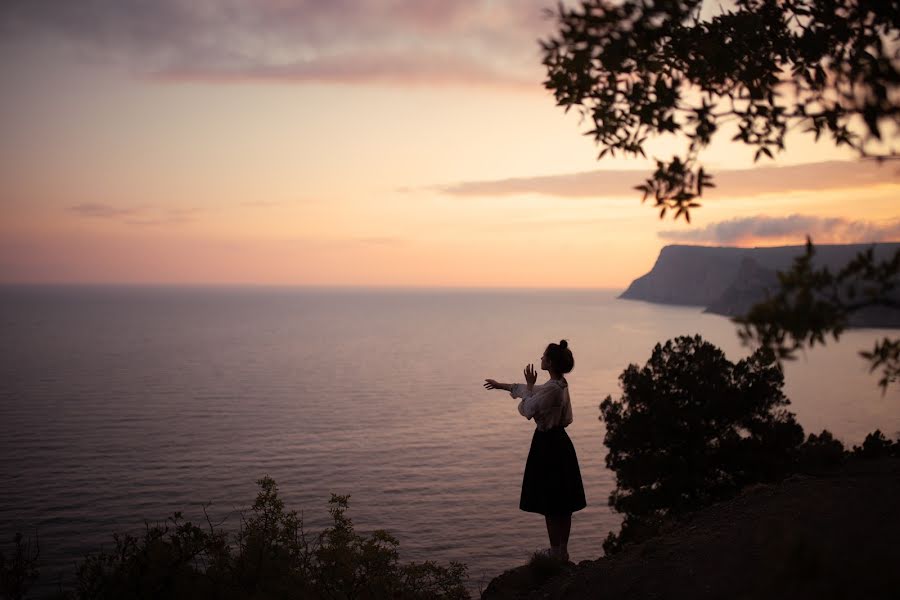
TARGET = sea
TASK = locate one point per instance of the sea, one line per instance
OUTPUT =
(122, 405)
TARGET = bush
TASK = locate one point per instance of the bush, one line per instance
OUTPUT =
(876, 446)
(271, 556)
(820, 452)
(692, 428)
(544, 567)
(18, 570)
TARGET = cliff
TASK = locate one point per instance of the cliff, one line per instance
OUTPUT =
(728, 281)
(817, 538)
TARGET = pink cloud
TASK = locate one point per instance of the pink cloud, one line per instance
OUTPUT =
(746, 230)
(401, 68)
(348, 41)
(729, 182)
(103, 211)
(135, 215)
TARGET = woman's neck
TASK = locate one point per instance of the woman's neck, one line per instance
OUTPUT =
(554, 375)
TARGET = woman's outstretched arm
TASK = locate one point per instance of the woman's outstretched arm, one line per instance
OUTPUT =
(491, 384)
(530, 378)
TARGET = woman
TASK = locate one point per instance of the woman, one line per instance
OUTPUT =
(552, 483)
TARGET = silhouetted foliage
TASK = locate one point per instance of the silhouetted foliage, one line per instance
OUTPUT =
(18, 570)
(814, 303)
(692, 428)
(642, 68)
(637, 69)
(876, 446)
(820, 453)
(544, 566)
(271, 556)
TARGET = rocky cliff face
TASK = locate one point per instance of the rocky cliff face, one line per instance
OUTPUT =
(750, 285)
(728, 281)
(693, 275)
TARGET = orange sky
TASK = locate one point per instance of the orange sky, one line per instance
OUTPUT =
(142, 148)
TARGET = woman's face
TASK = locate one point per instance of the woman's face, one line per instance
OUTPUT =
(545, 362)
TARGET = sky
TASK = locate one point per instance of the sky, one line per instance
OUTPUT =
(352, 143)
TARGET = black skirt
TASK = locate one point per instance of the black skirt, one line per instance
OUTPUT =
(552, 481)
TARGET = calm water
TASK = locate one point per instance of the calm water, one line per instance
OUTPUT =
(124, 404)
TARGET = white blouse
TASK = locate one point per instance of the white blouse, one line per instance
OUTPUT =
(548, 404)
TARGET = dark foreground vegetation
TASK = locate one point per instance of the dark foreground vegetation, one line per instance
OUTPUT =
(692, 428)
(271, 556)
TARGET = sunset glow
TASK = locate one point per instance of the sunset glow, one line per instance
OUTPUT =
(309, 144)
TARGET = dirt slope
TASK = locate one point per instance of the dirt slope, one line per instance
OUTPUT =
(830, 536)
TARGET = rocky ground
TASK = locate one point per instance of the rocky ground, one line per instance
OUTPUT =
(835, 535)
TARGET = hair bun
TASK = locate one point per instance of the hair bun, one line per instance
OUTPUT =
(563, 344)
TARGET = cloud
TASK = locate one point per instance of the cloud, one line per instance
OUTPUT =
(102, 211)
(422, 68)
(729, 182)
(350, 41)
(135, 215)
(575, 185)
(747, 230)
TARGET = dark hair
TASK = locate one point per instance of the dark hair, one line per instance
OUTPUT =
(560, 357)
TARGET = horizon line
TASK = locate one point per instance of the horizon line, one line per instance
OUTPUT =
(310, 286)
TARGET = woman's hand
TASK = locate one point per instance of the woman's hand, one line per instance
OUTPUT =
(530, 376)
(491, 384)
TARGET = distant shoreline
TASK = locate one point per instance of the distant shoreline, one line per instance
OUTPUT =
(729, 281)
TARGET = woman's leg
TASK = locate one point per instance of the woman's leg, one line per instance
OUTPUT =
(558, 528)
(563, 527)
(552, 534)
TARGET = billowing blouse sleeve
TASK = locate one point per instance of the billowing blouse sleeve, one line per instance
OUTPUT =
(539, 399)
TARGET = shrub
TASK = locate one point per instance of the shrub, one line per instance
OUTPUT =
(876, 445)
(270, 556)
(820, 452)
(18, 570)
(692, 428)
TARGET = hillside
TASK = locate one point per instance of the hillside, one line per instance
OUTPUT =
(817, 538)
